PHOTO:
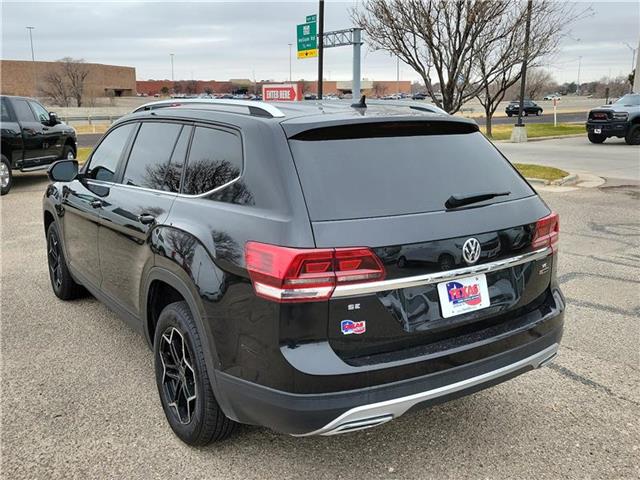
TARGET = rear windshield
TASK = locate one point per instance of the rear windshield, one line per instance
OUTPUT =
(344, 178)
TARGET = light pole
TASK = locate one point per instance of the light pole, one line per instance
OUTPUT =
(579, 65)
(633, 55)
(171, 55)
(33, 59)
(398, 75)
(290, 44)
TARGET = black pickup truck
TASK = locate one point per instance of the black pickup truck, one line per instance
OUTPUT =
(32, 138)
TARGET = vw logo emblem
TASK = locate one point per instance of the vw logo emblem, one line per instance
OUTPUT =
(471, 251)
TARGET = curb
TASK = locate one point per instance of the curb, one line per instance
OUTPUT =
(570, 179)
(540, 139)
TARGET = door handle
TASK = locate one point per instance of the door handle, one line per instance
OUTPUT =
(96, 203)
(146, 218)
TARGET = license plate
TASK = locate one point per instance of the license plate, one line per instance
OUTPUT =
(463, 295)
(597, 130)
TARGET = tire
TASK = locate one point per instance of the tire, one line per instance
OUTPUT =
(6, 177)
(62, 283)
(596, 138)
(509, 115)
(525, 113)
(68, 153)
(195, 416)
(633, 135)
(538, 113)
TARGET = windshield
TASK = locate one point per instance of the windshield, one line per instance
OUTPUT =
(397, 171)
(629, 100)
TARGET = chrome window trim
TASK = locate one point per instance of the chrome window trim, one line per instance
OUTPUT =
(430, 278)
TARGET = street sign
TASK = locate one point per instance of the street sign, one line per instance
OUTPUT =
(284, 92)
(307, 40)
(311, 18)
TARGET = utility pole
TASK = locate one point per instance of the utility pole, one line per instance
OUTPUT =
(523, 74)
(172, 77)
(320, 46)
(519, 132)
(33, 60)
(636, 78)
(290, 62)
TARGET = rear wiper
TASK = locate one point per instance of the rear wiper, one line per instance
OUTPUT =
(456, 200)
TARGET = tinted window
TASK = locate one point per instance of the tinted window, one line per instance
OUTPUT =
(148, 163)
(41, 114)
(373, 177)
(23, 112)
(104, 160)
(215, 158)
(6, 116)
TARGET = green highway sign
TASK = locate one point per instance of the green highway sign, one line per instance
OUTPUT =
(311, 18)
(307, 40)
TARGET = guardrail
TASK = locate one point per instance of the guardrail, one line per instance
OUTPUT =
(89, 118)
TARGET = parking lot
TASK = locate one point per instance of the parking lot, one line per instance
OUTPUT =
(80, 401)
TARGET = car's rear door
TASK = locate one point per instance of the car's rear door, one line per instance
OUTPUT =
(84, 197)
(385, 186)
(142, 196)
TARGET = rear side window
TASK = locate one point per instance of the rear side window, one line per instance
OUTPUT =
(391, 175)
(23, 112)
(215, 159)
(104, 160)
(149, 161)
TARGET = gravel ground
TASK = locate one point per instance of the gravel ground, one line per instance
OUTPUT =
(79, 400)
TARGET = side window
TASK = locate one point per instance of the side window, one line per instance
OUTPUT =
(23, 112)
(6, 115)
(41, 113)
(215, 158)
(149, 162)
(104, 160)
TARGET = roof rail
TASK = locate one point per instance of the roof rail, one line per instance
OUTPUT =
(257, 108)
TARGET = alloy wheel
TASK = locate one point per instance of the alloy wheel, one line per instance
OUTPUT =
(178, 375)
(4, 175)
(55, 262)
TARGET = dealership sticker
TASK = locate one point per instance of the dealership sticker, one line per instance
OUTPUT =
(463, 295)
(349, 326)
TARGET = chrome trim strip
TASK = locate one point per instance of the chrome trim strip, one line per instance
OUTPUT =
(429, 278)
(272, 110)
(365, 415)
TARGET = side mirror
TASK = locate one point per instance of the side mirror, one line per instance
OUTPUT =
(63, 171)
(53, 119)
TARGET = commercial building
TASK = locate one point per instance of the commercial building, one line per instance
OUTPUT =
(26, 78)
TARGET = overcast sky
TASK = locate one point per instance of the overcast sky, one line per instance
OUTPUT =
(222, 40)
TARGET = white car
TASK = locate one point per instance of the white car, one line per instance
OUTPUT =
(551, 96)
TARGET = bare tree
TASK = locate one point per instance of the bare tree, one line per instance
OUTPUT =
(75, 72)
(463, 45)
(66, 80)
(538, 81)
(55, 88)
(379, 89)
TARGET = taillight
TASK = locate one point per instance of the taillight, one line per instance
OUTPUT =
(547, 232)
(286, 274)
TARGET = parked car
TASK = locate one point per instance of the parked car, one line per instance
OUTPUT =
(530, 107)
(257, 247)
(32, 138)
(620, 119)
(420, 96)
(551, 96)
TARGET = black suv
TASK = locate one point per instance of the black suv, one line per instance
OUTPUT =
(32, 138)
(529, 107)
(315, 269)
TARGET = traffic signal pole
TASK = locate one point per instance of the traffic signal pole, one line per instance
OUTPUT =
(320, 46)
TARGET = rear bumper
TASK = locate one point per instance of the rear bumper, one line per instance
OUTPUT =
(610, 129)
(331, 413)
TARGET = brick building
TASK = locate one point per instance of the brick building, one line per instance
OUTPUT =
(19, 77)
(369, 87)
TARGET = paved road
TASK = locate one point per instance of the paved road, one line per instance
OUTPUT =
(612, 159)
(79, 399)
